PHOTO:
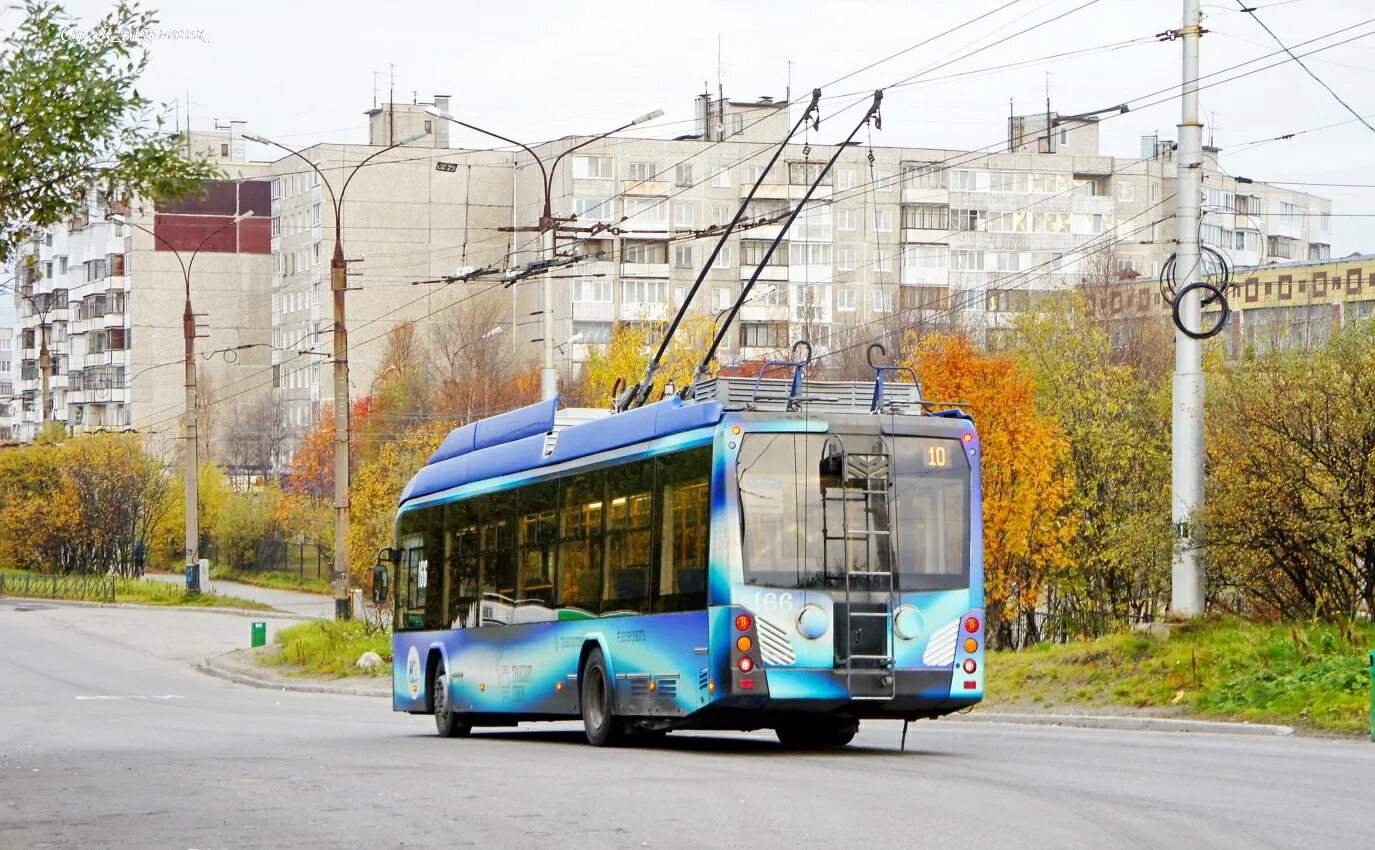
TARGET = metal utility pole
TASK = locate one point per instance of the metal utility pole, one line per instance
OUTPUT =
(1186, 587)
(338, 281)
(548, 229)
(191, 481)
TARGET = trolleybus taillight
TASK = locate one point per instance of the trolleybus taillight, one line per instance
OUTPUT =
(970, 645)
(970, 665)
(971, 624)
(744, 644)
(743, 622)
(745, 664)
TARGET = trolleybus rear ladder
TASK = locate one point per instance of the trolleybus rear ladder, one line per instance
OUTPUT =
(872, 471)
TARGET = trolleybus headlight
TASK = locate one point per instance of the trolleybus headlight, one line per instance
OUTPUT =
(971, 624)
(907, 622)
(743, 622)
(970, 665)
(744, 644)
(812, 622)
(745, 664)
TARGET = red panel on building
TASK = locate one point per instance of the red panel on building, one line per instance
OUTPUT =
(199, 220)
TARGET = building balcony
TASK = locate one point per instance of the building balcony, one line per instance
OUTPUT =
(655, 188)
(643, 311)
(811, 274)
(928, 236)
(763, 312)
(914, 195)
(767, 273)
(657, 270)
(776, 191)
(916, 276)
(594, 311)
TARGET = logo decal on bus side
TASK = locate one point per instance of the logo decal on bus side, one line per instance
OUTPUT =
(413, 672)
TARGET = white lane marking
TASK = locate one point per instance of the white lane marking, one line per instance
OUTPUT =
(132, 696)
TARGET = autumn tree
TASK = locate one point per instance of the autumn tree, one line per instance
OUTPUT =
(1027, 482)
(376, 490)
(1290, 521)
(632, 344)
(1116, 424)
(72, 119)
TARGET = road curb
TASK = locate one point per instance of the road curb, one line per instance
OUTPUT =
(1127, 723)
(208, 667)
(237, 612)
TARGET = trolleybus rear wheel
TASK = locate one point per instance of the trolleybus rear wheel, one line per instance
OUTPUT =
(446, 719)
(599, 719)
(816, 734)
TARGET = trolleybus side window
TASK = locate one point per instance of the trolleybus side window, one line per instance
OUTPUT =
(580, 542)
(629, 537)
(461, 555)
(684, 486)
(539, 504)
(497, 554)
(421, 590)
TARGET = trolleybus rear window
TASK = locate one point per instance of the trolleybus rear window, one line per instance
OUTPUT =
(816, 505)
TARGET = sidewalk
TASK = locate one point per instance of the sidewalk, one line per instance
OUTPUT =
(310, 606)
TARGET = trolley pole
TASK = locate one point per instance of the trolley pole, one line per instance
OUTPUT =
(1186, 591)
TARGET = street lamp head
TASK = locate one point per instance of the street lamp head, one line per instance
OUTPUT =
(259, 139)
(648, 116)
(765, 291)
(574, 338)
(493, 332)
(438, 113)
(243, 215)
(413, 137)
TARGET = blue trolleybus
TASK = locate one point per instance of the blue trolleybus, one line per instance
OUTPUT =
(795, 555)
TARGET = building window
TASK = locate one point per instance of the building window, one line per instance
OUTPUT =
(845, 300)
(593, 333)
(721, 298)
(720, 176)
(594, 167)
(1126, 191)
(682, 175)
(805, 173)
(764, 334)
(883, 179)
(967, 260)
(592, 291)
(647, 210)
(924, 175)
(644, 291)
(809, 253)
(883, 259)
(642, 171)
(883, 221)
(722, 258)
(924, 256)
(592, 209)
(926, 217)
(845, 259)
(720, 214)
(846, 219)
(682, 256)
(684, 215)
(645, 252)
(845, 178)
(752, 253)
(883, 301)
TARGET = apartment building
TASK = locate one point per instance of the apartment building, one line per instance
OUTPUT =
(105, 291)
(418, 212)
(1286, 306)
(8, 402)
(893, 236)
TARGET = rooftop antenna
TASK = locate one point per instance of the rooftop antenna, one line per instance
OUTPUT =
(374, 89)
(872, 114)
(636, 394)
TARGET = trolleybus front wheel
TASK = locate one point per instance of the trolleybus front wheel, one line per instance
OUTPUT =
(817, 734)
(599, 719)
(446, 719)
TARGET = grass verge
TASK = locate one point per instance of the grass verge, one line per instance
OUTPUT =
(330, 648)
(275, 580)
(133, 590)
(1315, 677)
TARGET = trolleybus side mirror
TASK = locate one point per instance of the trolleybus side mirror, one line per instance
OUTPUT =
(381, 576)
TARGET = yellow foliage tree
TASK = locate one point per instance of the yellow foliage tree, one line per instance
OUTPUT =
(375, 491)
(633, 343)
(1026, 478)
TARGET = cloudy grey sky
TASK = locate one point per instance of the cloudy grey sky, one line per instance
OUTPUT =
(304, 71)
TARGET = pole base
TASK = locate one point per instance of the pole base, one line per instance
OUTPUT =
(343, 610)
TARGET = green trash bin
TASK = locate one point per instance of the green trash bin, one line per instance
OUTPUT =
(259, 633)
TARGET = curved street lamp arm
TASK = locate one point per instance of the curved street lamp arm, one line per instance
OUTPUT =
(544, 175)
(313, 167)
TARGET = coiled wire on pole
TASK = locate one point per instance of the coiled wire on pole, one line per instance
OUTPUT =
(1211, 293)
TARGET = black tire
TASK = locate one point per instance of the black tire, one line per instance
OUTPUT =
(599, 719)
(817, 734)
(446, 720)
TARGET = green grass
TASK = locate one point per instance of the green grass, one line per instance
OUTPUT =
(330, 648)
(146, 592)
(274, 579)
(1312, 676)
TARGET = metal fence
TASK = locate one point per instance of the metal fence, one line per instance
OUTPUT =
(95, 588)
(306, 560)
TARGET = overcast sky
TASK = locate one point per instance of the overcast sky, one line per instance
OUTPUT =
(304, 71)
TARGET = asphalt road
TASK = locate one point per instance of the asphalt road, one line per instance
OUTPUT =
(313, 606)
(108, 739)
